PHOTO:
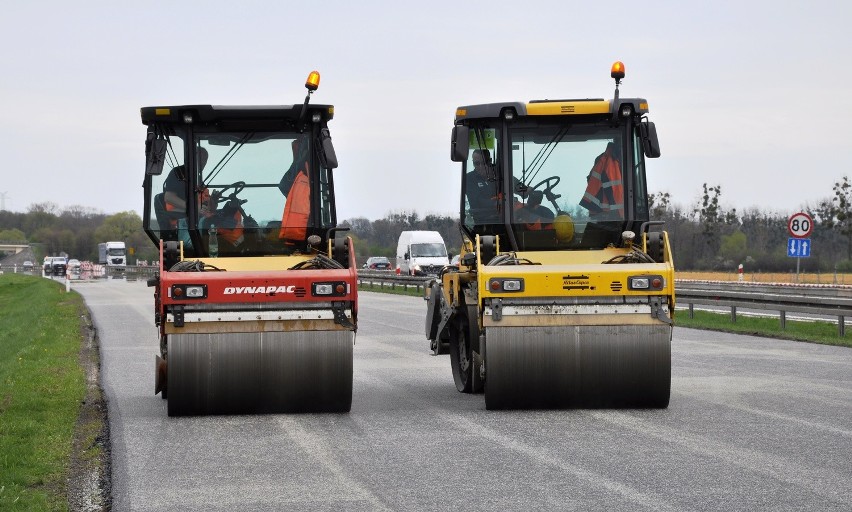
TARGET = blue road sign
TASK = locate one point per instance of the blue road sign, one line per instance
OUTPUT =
(799, 247)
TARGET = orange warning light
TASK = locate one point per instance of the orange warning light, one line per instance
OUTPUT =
(617, 70)
(312, 83)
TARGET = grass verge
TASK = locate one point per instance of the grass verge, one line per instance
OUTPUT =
(815, 332)
(43, 387)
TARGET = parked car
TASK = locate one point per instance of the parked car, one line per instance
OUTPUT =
(74, 266)
(60, 264)
(378, 263)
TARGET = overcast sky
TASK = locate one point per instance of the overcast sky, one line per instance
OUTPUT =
(752, 96)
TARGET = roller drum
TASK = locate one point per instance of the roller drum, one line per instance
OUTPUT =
(578, 366)
(260, 372)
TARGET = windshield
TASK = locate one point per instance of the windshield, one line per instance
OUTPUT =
(116, 252)
(262, 193)
(433, 250)
(567, 183)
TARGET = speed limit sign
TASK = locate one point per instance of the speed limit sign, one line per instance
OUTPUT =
(800, 225)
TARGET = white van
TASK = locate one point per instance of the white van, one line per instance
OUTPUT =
(421, 253)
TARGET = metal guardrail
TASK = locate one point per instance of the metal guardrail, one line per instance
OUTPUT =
(390, 279)
(825, 300)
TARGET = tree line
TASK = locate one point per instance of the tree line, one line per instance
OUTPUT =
(75, 231)
(708, 236)
(704, 236)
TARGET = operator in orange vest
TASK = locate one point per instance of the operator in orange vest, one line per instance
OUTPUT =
(296, 187)
(604, 196)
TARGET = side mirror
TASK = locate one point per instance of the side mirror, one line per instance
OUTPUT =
(155, 155)
(407, 256)
(650, 143)
(328, 154)
(459, 143)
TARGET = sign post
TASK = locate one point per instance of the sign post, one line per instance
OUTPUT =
(800, 226)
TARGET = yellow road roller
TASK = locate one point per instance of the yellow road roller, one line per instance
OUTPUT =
(564, 291)
(256, 296)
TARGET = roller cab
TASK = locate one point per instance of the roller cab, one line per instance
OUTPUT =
(564, 296)
(256, 295)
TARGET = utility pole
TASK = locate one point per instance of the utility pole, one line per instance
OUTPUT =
(3, 201)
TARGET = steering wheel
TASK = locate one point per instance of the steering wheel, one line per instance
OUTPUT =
(237, 186)
(534, 207)
(549, 186)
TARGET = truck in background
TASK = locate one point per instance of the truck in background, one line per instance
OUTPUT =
(112, 254)
(421, 253)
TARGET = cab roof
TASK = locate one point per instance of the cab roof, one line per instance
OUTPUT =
(548, 108)
(242, 113)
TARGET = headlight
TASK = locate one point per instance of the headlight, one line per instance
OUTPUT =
(506, 284)
(332, 289)
(194, 292)
(189, 291)
(639, 283)
(512, 285)
(646, 283)
(323, 289)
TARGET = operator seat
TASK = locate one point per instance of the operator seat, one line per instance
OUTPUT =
(165, 218)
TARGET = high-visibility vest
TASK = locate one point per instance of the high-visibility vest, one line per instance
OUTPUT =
(234, 234)
(294, 221)
(605, 188)
(173, 223)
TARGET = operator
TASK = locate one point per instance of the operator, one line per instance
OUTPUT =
(483, 195)
(296, 187)
(174, 188)
(604, 196)
(175, 193)
(481, 189)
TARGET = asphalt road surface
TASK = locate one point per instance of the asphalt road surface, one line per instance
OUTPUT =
(754, 424)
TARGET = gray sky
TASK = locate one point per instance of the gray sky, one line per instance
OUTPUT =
(751, 96)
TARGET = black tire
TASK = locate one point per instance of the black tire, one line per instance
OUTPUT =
(460, 355)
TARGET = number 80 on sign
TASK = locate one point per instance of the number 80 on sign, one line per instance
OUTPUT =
(800, 225)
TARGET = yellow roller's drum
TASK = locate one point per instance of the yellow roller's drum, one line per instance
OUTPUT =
(578, 366)
(563, 225)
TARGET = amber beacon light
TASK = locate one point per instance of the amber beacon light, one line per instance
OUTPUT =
(617, 71)
(312, 82)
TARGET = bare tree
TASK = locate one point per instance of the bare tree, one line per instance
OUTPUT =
(836, 212)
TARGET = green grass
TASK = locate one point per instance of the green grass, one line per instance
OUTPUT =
(825, 333)
(41, 388)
